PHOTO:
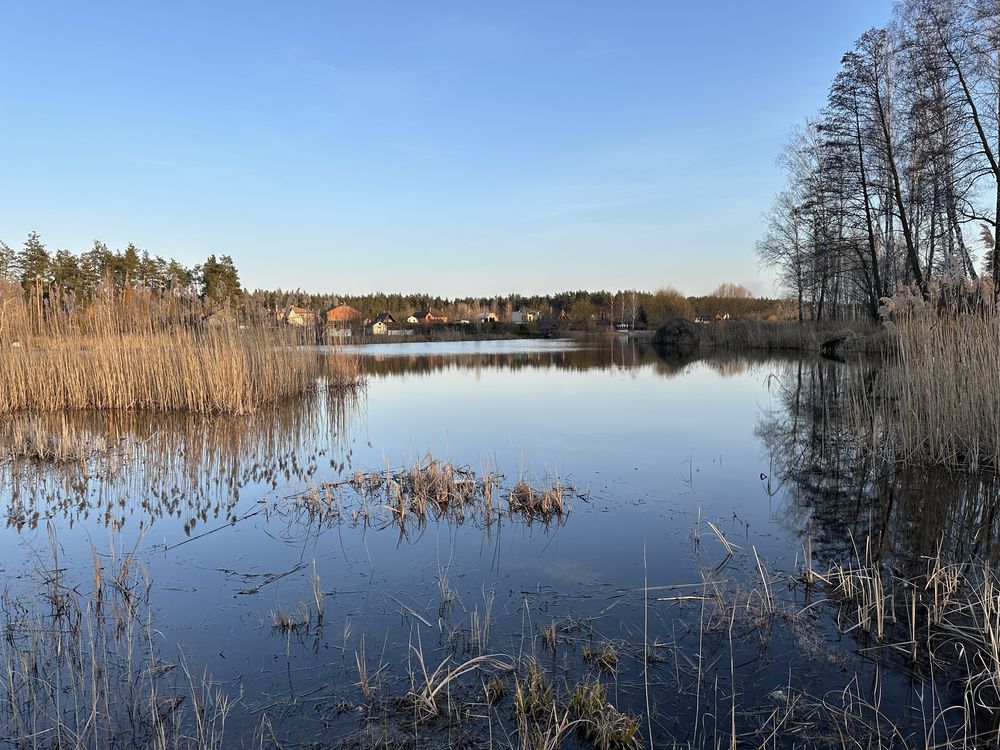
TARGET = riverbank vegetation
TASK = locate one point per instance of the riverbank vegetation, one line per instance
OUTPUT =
(890, 213)
(932, 400)
(141, 350)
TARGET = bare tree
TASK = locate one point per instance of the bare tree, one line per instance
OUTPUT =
(632, 303)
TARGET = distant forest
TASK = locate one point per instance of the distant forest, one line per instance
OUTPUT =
(216, 283)
(895, 184)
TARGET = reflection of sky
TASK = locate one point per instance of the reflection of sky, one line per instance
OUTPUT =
(653, 453)
(432, 348)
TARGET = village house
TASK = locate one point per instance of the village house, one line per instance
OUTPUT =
(520, 317)
(427, 317)
(223, 318)
(380, 325)
(299, 316)
(340, 315)
(486, 317)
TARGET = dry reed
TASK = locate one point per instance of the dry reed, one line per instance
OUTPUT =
(140, 351)
(83, 670)
(437, 489)
(936, 401)
(791, 335)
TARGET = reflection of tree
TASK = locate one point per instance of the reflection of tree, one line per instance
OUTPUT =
(599, 353)
(181, 465)
(836, 491)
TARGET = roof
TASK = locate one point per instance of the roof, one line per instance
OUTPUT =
(384, 318)
(427, 313)
(341, 312)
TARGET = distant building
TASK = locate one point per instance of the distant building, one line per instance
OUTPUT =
(486, 317)
(520, 317)
(427, 317)
(381, 324)
(341, 314)
(299, 316)
(223, 318)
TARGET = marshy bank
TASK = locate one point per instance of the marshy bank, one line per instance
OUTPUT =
(935, 401)
(138, 351)
(856, 337)
(932, 374)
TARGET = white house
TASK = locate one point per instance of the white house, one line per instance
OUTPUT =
(380, 326)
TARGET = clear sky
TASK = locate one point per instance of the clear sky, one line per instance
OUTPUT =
(448, 147)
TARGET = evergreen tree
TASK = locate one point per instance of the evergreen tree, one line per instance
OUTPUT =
(8, 262)
(34, 262)
(67, 274)
(218, 279)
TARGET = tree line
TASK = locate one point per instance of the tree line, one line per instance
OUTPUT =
(580, 309)
(895, 183)
(80, 276)
(76, 279)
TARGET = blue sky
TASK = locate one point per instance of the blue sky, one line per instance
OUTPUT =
(453, 148)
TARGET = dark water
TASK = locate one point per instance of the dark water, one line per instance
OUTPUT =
(655, 448)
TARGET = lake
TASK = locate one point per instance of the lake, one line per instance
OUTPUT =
(674, 576)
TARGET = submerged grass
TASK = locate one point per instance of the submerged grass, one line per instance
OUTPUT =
(84, 670)
(437, 489)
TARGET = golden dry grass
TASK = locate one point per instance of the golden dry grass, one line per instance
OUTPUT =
(143, 352)
(773, 335)
(936, 400)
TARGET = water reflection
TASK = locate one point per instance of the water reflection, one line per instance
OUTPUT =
(599, 353)
(659, 445)
(108, 467)
(832, 487)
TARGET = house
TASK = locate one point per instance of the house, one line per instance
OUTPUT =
(486, 317)
(223, 318)
(520, 317)
(341, 314)
(427, 317)
(702, 318)
(558, 313)
(299, 316)
(380, 325)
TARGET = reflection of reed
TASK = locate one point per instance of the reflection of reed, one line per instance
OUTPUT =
(97, 464)
(840, 492)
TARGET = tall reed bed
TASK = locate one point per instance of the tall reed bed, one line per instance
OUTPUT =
(859, 336)
(143, 351)
(936, 400)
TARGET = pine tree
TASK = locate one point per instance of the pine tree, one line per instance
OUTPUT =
(8, 262)
(34, 262)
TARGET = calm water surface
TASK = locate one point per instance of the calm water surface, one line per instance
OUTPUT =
(655, 449)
